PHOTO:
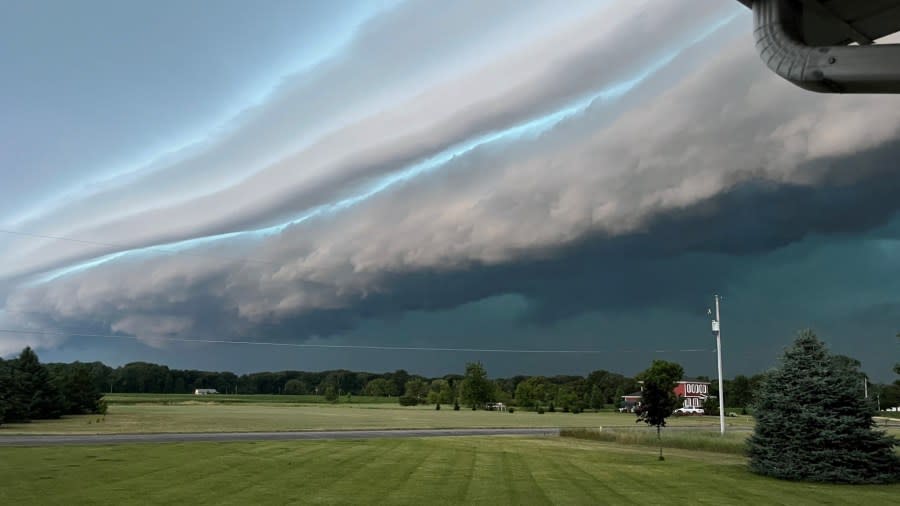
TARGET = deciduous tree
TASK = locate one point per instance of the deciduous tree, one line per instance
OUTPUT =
(658, 399)
(476, 389)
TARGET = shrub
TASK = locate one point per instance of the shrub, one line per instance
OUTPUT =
(540, 410)
(437, 407)
(406, 400)
(512, 410)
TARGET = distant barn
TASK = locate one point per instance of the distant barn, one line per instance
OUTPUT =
(205, 391)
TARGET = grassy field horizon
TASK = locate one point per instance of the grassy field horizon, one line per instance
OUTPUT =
(200, 416)
(459, 470)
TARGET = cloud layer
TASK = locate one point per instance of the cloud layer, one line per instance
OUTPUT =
(573, 162)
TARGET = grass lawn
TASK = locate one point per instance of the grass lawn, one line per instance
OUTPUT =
(217, 417)
(471, 470)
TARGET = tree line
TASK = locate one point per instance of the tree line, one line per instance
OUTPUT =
(30, 390)
(80, 384)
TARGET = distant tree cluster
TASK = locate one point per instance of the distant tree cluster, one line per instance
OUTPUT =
(813, 424)
(573, 393)
(30, 390)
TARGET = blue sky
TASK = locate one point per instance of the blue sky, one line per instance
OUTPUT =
(414, 173)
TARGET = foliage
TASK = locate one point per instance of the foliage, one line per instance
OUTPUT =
(658, 400)
(532, 391)
(331, 393)
(476, 389)
(566, 398)
(813, 424)
(417, 388)
(5, 388)
(34, 396)
(711, 406)
(295, 387)
(80, 393)
(406, 400)
(596, 398)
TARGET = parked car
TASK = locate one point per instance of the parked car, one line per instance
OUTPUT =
(688, 411)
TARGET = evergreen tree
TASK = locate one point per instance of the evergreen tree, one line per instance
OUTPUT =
(658, 399)
(34, 396)
(5, 389)
(80, 392)
(812, 422)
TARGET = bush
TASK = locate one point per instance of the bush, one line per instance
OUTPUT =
(512, 410)
(437, 407)
(406, 400)
(540, 410)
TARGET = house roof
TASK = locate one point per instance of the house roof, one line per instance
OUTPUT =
(635, 394)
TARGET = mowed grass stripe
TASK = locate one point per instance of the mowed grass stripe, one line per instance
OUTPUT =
(523, 488)
(434, 468)
(476, 470)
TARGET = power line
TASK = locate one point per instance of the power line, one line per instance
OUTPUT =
(348, 346)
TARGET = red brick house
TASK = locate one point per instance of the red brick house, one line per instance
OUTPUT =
(692, 391)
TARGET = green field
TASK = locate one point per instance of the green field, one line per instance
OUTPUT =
(242, 399)
(462, 470)
(194, 416)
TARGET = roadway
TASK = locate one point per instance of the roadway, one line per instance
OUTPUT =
(105, 439)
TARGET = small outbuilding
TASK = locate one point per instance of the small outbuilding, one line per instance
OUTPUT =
(205, 391)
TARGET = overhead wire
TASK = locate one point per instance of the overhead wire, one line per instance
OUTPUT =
(246, 341)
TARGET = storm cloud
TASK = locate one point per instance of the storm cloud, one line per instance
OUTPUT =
(603, 162)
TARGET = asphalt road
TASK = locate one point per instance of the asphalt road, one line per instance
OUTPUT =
(103, 439)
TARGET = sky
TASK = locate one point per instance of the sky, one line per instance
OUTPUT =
(416, 184)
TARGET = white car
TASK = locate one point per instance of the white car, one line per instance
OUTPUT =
(688, 411)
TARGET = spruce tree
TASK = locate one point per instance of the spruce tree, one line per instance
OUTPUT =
(80, 393)
(813, 423)
(34, 396)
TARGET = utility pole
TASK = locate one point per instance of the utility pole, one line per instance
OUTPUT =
(717, 330)
(866, 387)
